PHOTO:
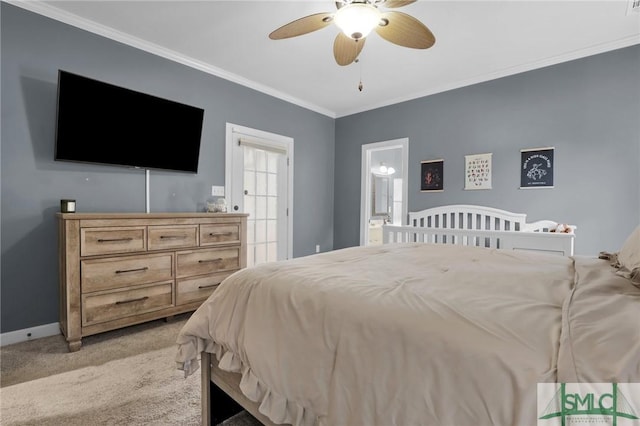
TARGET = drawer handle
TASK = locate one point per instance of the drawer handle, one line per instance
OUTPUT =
(210, 260)
(113, 240)
(124, 271)
(220, 234)
(139, 299)
(173, 237)
(208, 286)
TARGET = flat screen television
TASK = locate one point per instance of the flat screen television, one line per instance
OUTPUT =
(102, 123)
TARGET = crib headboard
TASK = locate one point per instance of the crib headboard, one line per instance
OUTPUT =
(481, 226)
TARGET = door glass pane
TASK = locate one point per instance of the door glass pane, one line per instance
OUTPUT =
(261, 231)
(272, 231)
(261, 253)
(261, 183)
(261, 208)
(272, 184)
(250, 182)
(272, 207)
(261, 160)
(251, 232)
(249, 156)
(261, 175)
(272, 252)
(250, 205)
(251, 254)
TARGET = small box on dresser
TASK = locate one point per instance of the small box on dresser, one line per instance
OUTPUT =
(120, 269)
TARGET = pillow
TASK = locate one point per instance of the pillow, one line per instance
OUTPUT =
(629, 256)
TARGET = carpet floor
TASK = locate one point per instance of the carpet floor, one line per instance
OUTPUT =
(122, 377)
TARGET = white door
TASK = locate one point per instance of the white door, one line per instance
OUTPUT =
(259, 181)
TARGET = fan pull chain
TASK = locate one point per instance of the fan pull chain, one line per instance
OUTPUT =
(357, 61)
(360, 86)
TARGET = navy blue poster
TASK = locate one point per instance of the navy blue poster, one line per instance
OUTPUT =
(536, 168)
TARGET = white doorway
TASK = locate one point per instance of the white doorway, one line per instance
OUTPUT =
(259, 181)
(383, 191)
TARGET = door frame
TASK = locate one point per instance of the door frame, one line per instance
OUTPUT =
(365, 183)
(267, 140)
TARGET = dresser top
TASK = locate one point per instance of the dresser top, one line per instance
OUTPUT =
(164, 215)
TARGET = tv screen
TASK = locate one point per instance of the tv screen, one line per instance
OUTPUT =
(98, 122)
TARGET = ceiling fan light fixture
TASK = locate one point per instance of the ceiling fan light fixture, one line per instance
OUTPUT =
(356, 20)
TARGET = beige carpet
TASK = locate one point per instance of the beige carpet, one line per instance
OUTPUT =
(123, 377)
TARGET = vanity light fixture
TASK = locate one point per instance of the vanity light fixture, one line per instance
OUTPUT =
(383, 170)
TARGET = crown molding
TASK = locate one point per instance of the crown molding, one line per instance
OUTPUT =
(505, 72)
(49, 11)
(107, 32)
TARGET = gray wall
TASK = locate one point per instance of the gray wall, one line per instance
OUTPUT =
(588, 109)
(33, 49)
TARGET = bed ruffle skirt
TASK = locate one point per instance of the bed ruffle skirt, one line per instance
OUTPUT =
(273, 405)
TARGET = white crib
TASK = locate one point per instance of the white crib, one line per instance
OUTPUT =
(483, 227)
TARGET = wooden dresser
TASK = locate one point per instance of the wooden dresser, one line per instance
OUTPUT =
(119, 269)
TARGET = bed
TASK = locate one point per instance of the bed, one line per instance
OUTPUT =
(456, 329)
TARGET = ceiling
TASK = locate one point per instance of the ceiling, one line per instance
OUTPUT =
(476, 41)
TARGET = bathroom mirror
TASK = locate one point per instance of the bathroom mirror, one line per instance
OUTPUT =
(381, 196)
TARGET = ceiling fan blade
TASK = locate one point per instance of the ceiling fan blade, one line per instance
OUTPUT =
(302, 26)
(405, 30)
(346, 49)
(397, 3)
(339, 4)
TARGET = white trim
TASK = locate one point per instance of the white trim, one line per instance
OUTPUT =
(505, 72)
(365, 182)
(110, 33)
(91, 26)
(31, 333)
(279, 142)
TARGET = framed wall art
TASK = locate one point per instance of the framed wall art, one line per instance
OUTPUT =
(477, 169)
(536, 168)
(431, 176)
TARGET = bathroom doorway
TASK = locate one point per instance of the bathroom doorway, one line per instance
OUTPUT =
(383, 188)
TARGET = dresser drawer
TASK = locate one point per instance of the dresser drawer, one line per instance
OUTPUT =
(212, 234)
(208, 261)
(112, 305)
(171, 237)
(117, 272)
(94, 241)
(190, 290)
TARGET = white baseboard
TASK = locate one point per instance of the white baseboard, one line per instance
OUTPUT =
(32, 333)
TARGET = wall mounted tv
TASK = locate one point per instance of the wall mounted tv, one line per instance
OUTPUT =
(101, 123)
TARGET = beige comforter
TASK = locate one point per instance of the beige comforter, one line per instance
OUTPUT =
(416, 334)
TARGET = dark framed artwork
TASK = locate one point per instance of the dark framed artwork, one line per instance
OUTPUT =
(536, 168)
(432, 176)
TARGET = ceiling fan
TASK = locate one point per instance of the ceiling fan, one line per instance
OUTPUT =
(356, 19)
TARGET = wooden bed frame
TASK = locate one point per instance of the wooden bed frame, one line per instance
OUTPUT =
(454, 224)
(221, 395)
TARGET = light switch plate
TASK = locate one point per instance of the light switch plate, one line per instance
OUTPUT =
(217, 191)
